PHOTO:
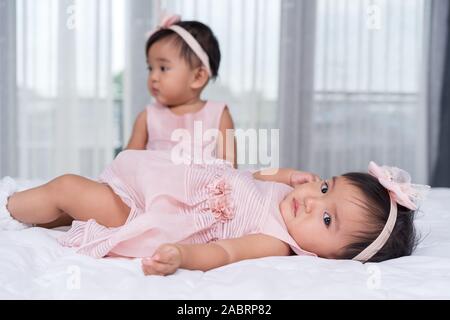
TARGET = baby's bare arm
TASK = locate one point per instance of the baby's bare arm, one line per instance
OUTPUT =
(226, 146)
(287, 176)
(139, 137)
(282, 175)
(169, 257)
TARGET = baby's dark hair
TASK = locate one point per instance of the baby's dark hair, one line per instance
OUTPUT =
(202, 33)
(402, 240)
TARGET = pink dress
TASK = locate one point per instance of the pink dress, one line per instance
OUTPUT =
(179, 203)
(162, 123)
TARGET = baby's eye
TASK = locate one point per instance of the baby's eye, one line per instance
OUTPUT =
(326, 219)
(324, 187)
(149, 69)
(164, 69)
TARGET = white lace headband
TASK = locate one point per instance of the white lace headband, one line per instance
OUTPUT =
(401, 191)
(168, 22)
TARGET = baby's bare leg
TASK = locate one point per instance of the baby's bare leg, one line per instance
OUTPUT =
(80, 198)
(64, 220)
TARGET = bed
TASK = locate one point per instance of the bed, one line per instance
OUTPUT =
(34, 266)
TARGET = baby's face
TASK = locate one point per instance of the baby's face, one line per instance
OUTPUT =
(169, 76)
(322, 216)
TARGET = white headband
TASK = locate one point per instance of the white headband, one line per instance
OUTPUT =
(401, 191)
(168, 22)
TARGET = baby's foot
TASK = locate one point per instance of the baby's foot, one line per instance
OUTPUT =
(7, 187)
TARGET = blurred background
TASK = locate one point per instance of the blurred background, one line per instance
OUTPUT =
(345, 81)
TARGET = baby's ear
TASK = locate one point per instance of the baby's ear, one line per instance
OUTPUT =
(201, 78)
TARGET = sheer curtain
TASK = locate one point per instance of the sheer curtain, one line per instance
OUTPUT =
(248, 32)
(439, 97)
(8, 95)
(139, 15)
(340, 78)
(65, 87)
(71, 115)
(297, 82)
(368, 100)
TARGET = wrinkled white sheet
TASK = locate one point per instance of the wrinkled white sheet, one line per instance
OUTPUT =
(34, 266)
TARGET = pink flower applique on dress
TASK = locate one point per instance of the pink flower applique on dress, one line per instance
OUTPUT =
(220, 202)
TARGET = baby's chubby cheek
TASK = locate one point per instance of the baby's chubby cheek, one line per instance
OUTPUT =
(286, 207)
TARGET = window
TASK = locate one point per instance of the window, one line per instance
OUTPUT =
(65, 87)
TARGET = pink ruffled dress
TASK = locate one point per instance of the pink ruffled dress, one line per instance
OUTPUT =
(179, 203)
(162, 123)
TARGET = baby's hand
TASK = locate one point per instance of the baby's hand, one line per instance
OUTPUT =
(301, 177)
(166, 260)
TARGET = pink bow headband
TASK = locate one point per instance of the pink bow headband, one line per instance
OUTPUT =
(169, 22)
(401, 191)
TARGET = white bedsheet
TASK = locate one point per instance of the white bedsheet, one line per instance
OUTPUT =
(34, 266)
